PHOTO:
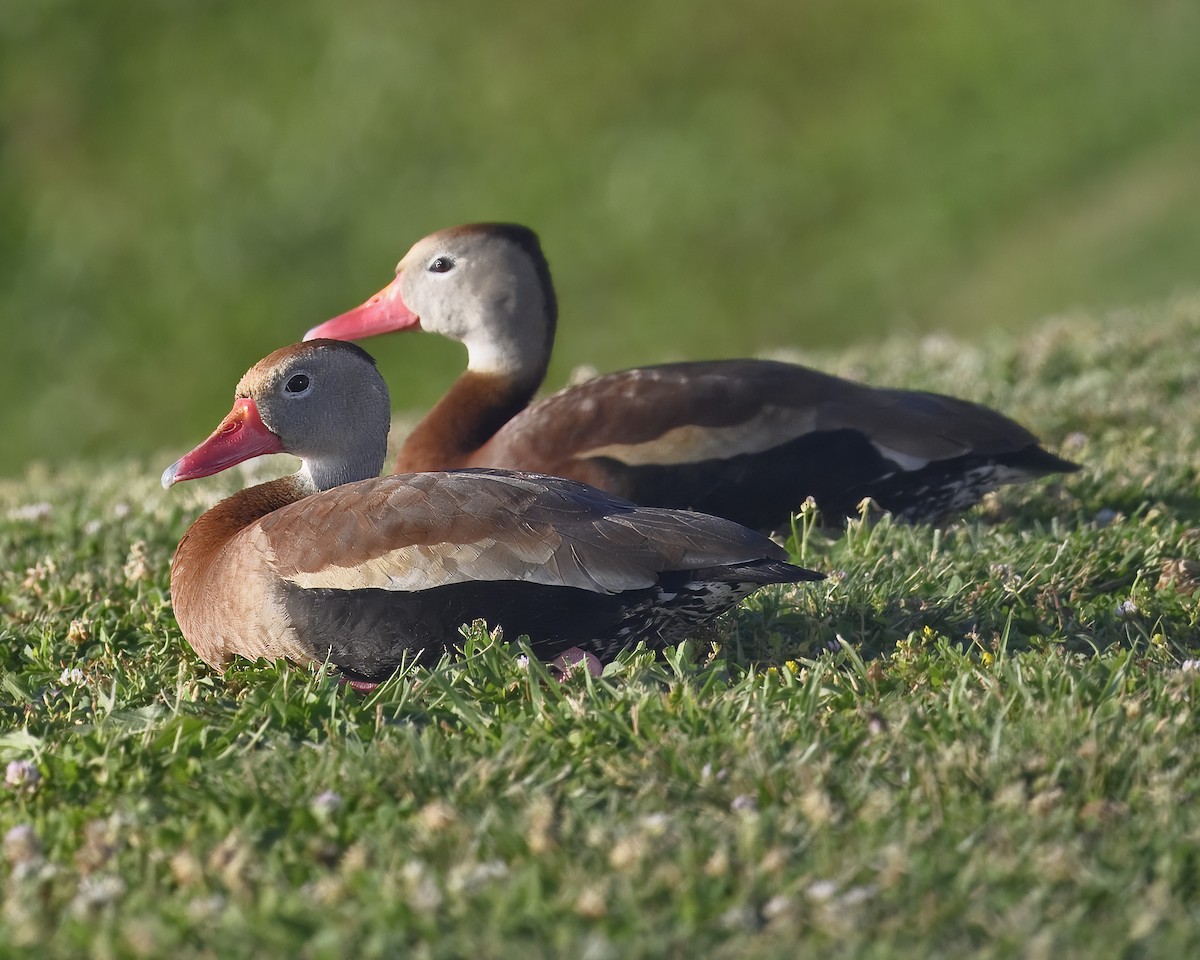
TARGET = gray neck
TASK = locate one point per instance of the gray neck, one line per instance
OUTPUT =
(508, 344)
(324, 474)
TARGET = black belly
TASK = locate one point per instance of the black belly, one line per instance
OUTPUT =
(367, 633)
(837, 468)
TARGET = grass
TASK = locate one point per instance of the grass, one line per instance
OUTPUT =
(973, 741)
(187, 186)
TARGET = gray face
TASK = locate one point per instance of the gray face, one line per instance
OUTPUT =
(480, 289)
(328, 405)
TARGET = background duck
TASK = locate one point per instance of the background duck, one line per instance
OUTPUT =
(744, 439)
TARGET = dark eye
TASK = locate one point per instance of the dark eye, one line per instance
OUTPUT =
(441, 265)
(298, 383)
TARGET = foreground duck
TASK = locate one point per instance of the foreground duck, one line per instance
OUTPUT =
(743, 439)
(336, 563)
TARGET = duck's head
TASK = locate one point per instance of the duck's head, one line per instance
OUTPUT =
(486, 285)
(322, 401)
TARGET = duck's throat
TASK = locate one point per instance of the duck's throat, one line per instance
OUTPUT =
(464, 420)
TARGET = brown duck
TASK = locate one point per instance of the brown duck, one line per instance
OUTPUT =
(743, 439)
(337, 563)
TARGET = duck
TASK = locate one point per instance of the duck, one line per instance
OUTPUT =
(336, 564)
(749, 440)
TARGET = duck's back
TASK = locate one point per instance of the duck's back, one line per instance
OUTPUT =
(751, 439)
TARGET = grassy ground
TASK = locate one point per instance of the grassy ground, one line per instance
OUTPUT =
(974, 741)
(187, 186)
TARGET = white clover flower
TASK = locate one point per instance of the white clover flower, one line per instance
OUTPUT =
(31, 511)
(777, 906)
(95, 893)
(744, 803)
(424, 894)
(21, 845)
(136, 567)
(22, 775)
(327, 803)
(205, 908)
(72, 677)
(474, 876)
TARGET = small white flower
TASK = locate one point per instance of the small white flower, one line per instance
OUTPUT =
(472, 877)
(73, 677)
(1127, 608)
(205, 908)
(424, 894)
(92, 527)
(744, 803)
(743, 917)
(777, 906)
(860, 894)
(136, 567)
(95, 893)
(121, 510)
(22, 775)
(327, 803)
(21, 845)
(1190, 666)
(523, 662)
(31, 511)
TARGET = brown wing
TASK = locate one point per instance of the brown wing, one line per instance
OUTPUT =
(910, 425)
(691, 412)
(415, 531)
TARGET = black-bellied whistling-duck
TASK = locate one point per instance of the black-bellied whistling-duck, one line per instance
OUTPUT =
(743, 439)
(335, 562)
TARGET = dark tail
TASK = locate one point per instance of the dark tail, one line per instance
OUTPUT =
(760, 572)
(1037, 462)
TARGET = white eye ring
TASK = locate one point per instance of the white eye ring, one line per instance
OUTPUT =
(297, 385)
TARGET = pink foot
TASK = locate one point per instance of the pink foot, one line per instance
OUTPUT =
(360, 686)
(567, 660)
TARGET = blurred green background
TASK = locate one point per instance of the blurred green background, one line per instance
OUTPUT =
(185, 186)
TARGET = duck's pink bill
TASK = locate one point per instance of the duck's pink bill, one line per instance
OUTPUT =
(241, 436)
(385, 312)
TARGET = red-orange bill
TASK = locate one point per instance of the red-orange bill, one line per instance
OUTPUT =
(383, 313)
(241, 436)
